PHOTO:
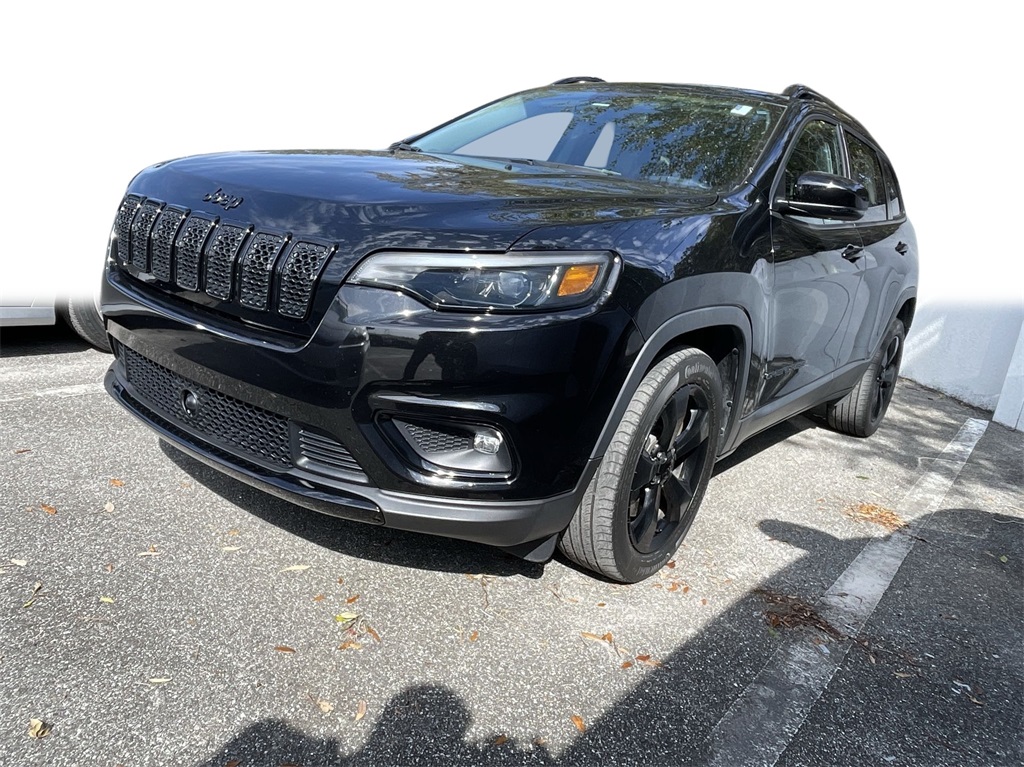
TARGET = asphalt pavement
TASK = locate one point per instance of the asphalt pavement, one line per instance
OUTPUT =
(838, 602)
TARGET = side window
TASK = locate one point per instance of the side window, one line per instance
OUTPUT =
(867, 170)
(895, 199)
(817, 148)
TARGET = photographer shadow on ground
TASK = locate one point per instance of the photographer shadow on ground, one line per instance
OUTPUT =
(914, 711)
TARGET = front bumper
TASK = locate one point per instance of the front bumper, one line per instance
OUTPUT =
(545, 383)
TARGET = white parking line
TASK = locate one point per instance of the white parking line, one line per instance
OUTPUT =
(762, 721)
(59, 391)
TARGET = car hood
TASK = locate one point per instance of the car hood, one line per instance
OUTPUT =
(370, 200)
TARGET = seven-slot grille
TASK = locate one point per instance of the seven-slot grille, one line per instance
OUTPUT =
(231, 424)
(263, 271)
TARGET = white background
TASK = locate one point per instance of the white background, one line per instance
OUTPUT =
(93, 92)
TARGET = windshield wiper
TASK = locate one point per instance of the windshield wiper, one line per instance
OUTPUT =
(405, 146)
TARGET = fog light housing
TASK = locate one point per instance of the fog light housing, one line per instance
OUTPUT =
(453, 450)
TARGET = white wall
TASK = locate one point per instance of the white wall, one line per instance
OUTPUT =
(92, 92)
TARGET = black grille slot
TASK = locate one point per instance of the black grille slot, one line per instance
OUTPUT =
(161, 243)
(433, 440)
(123, 226)
(188, 249)
(217, 418)
(298, 278)
(220, 260)
(257, 266)
(322, 450)
(141, 227)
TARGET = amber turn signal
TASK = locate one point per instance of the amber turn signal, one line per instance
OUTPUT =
(578, 279)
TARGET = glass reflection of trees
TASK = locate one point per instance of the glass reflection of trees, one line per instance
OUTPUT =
(685, 138)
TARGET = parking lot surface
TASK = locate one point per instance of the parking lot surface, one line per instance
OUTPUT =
(838, 601)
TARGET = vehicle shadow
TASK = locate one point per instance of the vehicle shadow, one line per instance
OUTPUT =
(356, 539)
(668, 718)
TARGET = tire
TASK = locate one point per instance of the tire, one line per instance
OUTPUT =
(84, 318)
(861, 411)
(645, 494)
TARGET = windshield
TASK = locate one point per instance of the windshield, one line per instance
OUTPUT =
(695, 140)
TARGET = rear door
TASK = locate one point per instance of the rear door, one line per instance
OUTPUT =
(887, 239)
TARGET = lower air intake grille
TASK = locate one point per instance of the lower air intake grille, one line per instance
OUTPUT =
(216, 417)
(432, 440)
(319, 449)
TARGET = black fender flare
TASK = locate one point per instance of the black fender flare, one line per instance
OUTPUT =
(696, 319)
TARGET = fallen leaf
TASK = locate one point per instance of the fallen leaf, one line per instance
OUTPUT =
(232, 531)
(159, 680)
(601, 604)
(150, 552)
(325, 706)
(284, 648)
(578, 721)
(704, 602)
(19, 562)
(340, 581)
(109, 567)
(48, 508)
(360, 710)
(108, 507)
(607, 637)
(346, 617)
(117, 482)
(671, 565)
(647, 661)
(372, 632)
(295, 569)
(230, 548)
(37, 728)
(21, 450)
(350, 600)
(1004, 559)
(108, 600)
(474, 636)
(674, 586)
(872, 512)
(350, 644)
(319, 598)
(626, 664)
(499, 740)
(861, 476)
(233, 763)
(974, 700)
(902, 674)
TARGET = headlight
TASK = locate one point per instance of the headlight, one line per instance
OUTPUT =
(482, 281)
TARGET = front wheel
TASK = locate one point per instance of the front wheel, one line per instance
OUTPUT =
(84, 317)
(644, 497)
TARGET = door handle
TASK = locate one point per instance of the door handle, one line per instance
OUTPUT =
(902, 248)
(852, 252)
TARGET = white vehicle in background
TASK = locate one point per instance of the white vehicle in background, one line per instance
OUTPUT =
(80, 312)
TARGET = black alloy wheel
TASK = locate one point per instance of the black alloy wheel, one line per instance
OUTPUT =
(646, 492)
(860, 412)
(671, 461)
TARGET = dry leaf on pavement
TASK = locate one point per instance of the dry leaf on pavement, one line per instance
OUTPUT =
(360, 710)
(117, 482)
(295, 569)
(578, 721)
(48, 508)
(284, 648)
(37, 728)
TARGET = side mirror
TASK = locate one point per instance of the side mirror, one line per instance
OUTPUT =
(824, 195)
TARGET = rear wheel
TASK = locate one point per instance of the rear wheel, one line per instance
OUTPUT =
(85, 319)
(645, 495)
(860, 412)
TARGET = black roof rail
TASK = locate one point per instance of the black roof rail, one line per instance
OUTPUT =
(798, 91)
(571, 80)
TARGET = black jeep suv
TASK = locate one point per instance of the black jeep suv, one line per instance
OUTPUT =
(538, 324)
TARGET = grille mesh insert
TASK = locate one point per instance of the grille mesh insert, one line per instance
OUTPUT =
(257, 266)
(141, 227)
(188, 249)
(161, 247)
(220, 260)
(123, 226)
(298, 277)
